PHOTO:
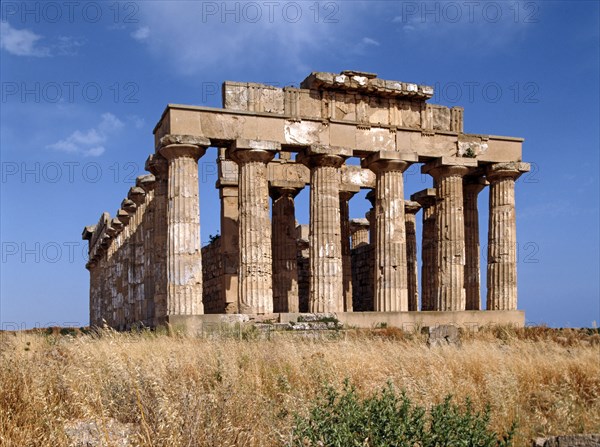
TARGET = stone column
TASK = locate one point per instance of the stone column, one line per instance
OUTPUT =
(502, 236)
(184, 255)
(359, 231)
(427, 199)
(412, 264)
(448, 175)
(255, 292)
(370, 216)
(391, 283)
(345, 197)
(230, 231)
(472, 186)
(326, 269)
(127, 285)
(159, 167)
(285, 250)
(138, 195)
(147, 183)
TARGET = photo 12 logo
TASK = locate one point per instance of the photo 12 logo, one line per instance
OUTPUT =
(28, 12)
(270, 12)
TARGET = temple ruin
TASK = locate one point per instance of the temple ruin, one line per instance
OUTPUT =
(147, 266)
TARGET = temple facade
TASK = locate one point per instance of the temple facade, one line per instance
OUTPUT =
(147, 266)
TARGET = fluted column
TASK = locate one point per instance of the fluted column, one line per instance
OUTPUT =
(230, 232)
(138, 196)
(502, 236)
(284, 247)
(427, 199)
(345, 197)
(255, 292)
(184, 255)
(472, 186)
(370, 216)
(412, 264)
(147, 183)
(391, 282)
(159, 167)
(325, 263)
(359, 231)
(448, 173)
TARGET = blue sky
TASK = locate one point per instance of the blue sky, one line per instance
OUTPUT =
(83, 85)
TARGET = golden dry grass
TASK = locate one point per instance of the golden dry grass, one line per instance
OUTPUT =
(180, 391)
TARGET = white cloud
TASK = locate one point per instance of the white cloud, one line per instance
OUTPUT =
(198, 37)
(21, 42)
(369, 41)
(90, 143)
(141, 33)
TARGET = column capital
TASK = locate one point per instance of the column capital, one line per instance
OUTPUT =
(426, 197)
(146, 182)
(474, 183)
(322, 155)
(359, 223)
(285, 188)
(502, 170)
(157, 165)
(370, 196)
(348, 192)
(128, 206)
(137, 195)
(123, 216)
(445, 166)
(244, 150)
(389, 161)
(411, 207)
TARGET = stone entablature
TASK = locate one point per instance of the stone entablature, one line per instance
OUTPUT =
(146, 264)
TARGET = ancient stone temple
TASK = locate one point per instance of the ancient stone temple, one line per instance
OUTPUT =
(147, 265)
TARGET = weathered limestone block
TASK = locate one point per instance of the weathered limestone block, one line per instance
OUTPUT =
(448, 173)
(184, 267)
(412, 263)
(502, 236)
(326, 270)
(359, 231)
(427, 199)
(443, 335)
(391, 283)
(472, 186)
(255, 293)
(284, 248)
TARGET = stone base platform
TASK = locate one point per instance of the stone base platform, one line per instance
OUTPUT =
(408, 321)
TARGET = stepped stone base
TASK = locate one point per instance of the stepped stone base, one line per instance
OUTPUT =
(409, 321)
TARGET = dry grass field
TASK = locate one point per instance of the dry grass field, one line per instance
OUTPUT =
(156, 389)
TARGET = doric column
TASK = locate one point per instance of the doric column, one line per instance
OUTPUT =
(359, 231)
(230, 231)
(412, 264)
(345, 197)
(255, 292)
(159, 167)
(448, 175)
(325, 264)
(184, 255)
(427, 199)
(370, 216)
(147, 183)
(138, 196)
(284, 247)
(502, 236)
(391, 283)
(472, 186)
(127, 285)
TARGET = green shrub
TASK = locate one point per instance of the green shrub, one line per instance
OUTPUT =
(388, 419)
